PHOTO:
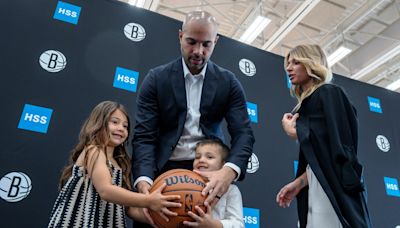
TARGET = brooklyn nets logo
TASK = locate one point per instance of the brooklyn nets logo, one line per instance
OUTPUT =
(134, 32)
(15, 186)
(383, 143)
(52, 61)
(247, 67)
(253, 164)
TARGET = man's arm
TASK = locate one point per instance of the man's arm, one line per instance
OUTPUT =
(239, 128)
(242, 141)
(145, 138)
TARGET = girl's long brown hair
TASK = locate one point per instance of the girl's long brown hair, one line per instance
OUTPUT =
(94, 132)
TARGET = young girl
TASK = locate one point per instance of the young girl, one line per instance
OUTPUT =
(96, 183)
(227, 210)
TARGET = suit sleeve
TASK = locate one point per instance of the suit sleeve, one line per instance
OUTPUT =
(144, 142)
(239, 128)
(342, 126)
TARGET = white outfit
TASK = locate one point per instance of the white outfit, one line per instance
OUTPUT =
(192, 132)
(229, 209)
(320, 210)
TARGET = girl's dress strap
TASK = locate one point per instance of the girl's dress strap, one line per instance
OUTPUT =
(109, 164)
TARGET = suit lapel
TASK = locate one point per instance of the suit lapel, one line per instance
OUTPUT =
(178, 84)
(209, 89)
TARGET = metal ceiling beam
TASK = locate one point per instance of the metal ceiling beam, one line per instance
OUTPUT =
(289, 24)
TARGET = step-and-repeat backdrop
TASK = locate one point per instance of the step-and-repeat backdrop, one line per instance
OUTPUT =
(58, 59)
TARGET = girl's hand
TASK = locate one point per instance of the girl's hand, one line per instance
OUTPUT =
(160, 203)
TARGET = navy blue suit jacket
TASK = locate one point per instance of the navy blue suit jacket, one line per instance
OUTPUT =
(161, 113)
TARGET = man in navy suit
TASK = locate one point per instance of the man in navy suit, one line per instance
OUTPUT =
(184, 101)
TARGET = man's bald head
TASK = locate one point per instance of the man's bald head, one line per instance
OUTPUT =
(198, 38)
(198, 16)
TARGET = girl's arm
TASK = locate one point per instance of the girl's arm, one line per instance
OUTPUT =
(137, 214)
(100, 174)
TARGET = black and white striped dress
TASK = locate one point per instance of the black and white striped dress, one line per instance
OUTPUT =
(79, 205)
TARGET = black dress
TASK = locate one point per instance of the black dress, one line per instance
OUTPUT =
(79, 205)
(327, 134)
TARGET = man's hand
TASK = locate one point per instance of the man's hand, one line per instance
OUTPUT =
(218, 183)
(143, 187)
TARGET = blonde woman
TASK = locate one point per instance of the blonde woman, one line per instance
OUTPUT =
(328, 184)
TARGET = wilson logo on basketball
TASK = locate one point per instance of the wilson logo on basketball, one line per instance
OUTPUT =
(173, 180)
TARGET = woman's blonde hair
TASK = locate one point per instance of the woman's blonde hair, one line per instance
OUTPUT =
(313, 58)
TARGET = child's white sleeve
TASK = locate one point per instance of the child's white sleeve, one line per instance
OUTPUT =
(234, 209)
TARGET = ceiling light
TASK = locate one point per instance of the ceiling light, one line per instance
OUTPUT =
(137, 3)
(375, 64)
(290, 23)
(255, 29)
(337, 55)
(394, 85)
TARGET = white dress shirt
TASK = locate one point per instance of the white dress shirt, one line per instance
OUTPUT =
(192, 133)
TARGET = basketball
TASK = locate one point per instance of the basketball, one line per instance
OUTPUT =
(188, 185)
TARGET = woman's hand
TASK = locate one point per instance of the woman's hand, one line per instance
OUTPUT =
(289, 191)
(287, 194)
(289, 124)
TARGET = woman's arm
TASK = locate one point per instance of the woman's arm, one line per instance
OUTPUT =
(289, 191)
